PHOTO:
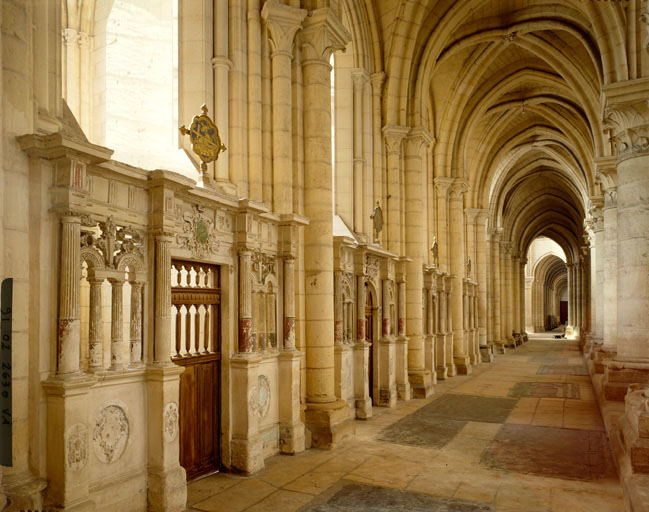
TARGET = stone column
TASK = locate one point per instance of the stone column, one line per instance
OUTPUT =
(359, 78)
(415, 177)
(394, 136)
(571, 298)
(282, 22)
(385, 323)
(246, 341)
(450, 360)
(442, 185)
(327, 417)
(71, 69)
(609, 309)
(96, 326)
(377, 80)
(516, 291)
(505, 291)
(458, 270)
(577, 274)
(496, 284)
(628, 119)
(136, 324)
(362, 349)
(481, 275)
(403, 383)
(598, 251)
(521, 280)
(117, 344)
(440, 341)
(162, 306)
(289, 302)
(69, 306)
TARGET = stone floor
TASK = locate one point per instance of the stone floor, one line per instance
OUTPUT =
(523, 433)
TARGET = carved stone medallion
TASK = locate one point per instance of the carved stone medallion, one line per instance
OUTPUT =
(110, 434)
(76, 446)
(199, 235)
(170, 420)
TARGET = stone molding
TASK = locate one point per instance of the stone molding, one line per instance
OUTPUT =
(283, 22)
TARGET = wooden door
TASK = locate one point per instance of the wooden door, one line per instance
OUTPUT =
(196, 312)
(563, 312)
(369, 337)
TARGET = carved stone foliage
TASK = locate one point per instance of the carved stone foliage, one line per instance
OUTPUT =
(263, 265)
(259, 397)
(110, 434)
(199, 233)
(170, 421)
(116, 246)
(76, 446)
(629, 125)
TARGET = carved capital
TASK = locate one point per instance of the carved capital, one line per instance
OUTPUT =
(69, 36)
(394, 135)
(283, 22)
(360, 77)
(442, 184)
(628, 124)
(377, 80)
(471, 215)
(418, 139)
(323, 35)
(458, 188)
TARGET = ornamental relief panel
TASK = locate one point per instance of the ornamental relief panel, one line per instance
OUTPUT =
(259, 397)
(199, 234)
(263, 265)
(110, 434)
(76, 446)
(111, 245)
(170, 422)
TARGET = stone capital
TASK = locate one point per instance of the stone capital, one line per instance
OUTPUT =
(418, 139)
(322, 35)
(360, 77)
(377, 80)
(442, 184)
(69, 35)
(394, 135)
(283, 22)
(458, 188)
(626, 117)
(472, 215)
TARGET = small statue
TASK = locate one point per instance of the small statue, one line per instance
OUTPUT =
(435, 250)
(468, 267)
(377, 217)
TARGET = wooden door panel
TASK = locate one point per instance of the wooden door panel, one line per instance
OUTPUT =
(196, 297)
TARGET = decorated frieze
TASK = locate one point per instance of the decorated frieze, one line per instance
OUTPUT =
(110, 245)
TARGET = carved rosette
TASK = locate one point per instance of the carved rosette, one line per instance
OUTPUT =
(170, 422)
(628, 124)
(76, 447)
(110, 434)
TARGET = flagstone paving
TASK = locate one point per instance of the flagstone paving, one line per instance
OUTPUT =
(514, 436)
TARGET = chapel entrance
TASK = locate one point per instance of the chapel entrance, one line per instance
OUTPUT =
(563, 312)
(369, 337)
(196, 318)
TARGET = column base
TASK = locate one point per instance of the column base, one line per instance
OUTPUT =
(363, 408)
(635, 427)
(167, 490)
(329, 423)
(619, 375)
(451, 370)
(600, 355)
(247, 455)
(442, 373)
(500, 347)
(421, 383)
(487, 353)
(463, 364)
(24, 492)
(387, 397)
(291, 438)
(403, 391)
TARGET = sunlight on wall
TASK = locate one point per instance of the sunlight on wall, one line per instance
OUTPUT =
(141, 92)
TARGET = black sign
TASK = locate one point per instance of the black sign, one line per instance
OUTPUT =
(6, 305)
